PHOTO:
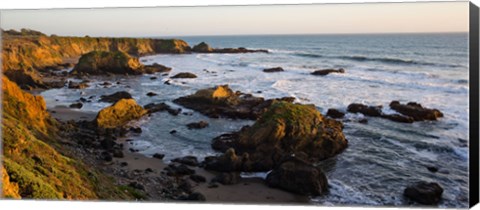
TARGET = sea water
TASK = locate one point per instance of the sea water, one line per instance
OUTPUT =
(382, 158)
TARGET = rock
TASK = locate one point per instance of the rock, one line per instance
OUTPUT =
(107, 157)
(148, 170)
(432, 169)
(76, 105)
(26, 79)
(136, 185)
(106, 83)
(416, 111)
(334, 113)
(108, 62)
(196, 196)
(398, 118)
(202, 47)
(227, 162)
(197, 178)
(373, 111)
(285, 129)
(158, 156)
(153, 78)
(222, 101)
(212, 185)
(184, 75)
(227, 178)
(173, 131)
(424, 193)
(136, 129)
(119, 114)
(298, 177)
(115, 97)
(150, 94)
(118, 153)
(363, 121)
(276, 69)
(324, 72)
(178, 170)
(75, 85)
(197, 125)
(152, 107)
(123, 164)
(187, 160)
(154, 68)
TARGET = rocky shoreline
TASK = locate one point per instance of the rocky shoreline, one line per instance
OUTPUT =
(287, 140)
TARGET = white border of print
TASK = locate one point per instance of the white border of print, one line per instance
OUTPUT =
(77, 205)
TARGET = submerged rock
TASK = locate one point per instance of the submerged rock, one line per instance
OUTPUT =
(197, 125)
(416, 111)
(119, 114)
(105, 62)
(298, 177)
(183, 75)
(324, 72)
(76, 105)
(424, 193)
(115, 97)
(276, 69)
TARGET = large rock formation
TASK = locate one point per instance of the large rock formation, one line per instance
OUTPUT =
(103, 62)
(221, 101)
(202, 47)
(119, 114)
(285, 130)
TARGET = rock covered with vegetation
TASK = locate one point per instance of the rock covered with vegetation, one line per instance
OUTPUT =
(104, 62)
(119, 114)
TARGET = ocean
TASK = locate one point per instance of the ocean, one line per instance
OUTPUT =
(382, 158)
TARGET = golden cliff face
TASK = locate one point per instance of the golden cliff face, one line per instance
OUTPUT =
(38, 52)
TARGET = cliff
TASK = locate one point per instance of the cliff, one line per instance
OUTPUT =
(33, 167)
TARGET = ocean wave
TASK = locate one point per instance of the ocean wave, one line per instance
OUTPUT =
(377, 59)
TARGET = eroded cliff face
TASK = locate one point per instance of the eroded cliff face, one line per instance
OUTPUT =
(33, 165)
(24, 55)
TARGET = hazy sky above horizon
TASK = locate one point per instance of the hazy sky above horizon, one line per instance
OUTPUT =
(238, 20)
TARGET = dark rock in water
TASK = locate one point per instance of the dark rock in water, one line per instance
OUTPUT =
(398, 118)
(167, 82)
(153, 78)
(118, 153)
(182, 75)
(276, 69)
(373, 111)
(227, 178)
(222, 101)
(113, 98)
(334, 113)
(363, 121)
(424, 193)
(432, 169)
(158, 156)
(284, 129)
(197, 178)
(152, 107)
(202, 47)
(324, 72)
(154, 68)
(106, 84)
(298, 177)
(173, 131)
(136, 185)
(416, 111)
(136, 129)
(82, 99)
(178, 170)
(187, 160)
(150, 94)
(107, 62)
(76, 85)
(76, 105)
(197, 125)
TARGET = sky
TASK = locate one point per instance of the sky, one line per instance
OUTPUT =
(422, 17)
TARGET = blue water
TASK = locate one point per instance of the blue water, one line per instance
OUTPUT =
(383, 157)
